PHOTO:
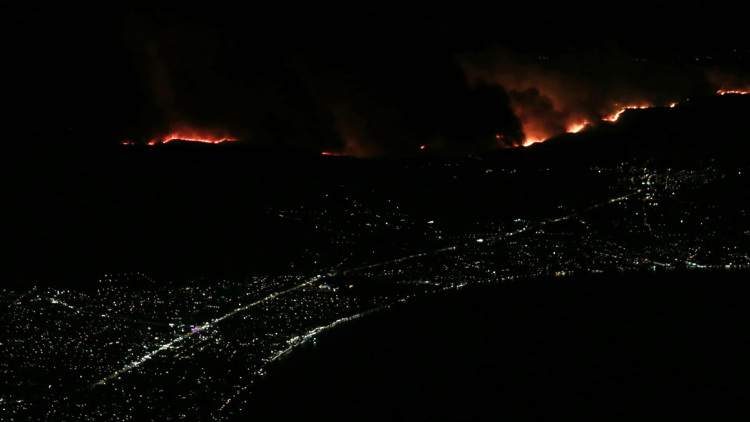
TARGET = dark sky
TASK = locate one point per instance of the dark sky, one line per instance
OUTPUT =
(364, 79)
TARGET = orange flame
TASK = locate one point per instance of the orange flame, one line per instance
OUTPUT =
(189, 134)
(725, 92)
(578, 127)
(615, 116)
(531, 141)
(206, 140)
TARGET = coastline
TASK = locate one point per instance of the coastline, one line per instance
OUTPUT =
(625, 348)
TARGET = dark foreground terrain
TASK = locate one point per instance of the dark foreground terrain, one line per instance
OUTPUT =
(633, 345)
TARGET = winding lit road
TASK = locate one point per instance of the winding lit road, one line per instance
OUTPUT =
(179, 339)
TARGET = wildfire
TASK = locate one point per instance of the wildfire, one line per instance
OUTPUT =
(578, 127)
(614, 117)
(188, 133)
(531, 141)
(181, 137)
(723, 92)
(193, 138)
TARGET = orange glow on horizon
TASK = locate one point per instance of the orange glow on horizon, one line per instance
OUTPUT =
(537, 126)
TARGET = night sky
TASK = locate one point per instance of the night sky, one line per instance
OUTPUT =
(373, 79)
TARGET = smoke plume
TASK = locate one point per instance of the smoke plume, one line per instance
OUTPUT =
(394, 95)
(567, 92)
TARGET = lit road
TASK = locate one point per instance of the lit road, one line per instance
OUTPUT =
(176, 342)
(208, 325)
(498, 237)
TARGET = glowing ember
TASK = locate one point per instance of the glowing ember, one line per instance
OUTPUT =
(422, 147)
(723, 92)
(330, 153)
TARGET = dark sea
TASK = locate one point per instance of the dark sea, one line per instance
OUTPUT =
(640, 345)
